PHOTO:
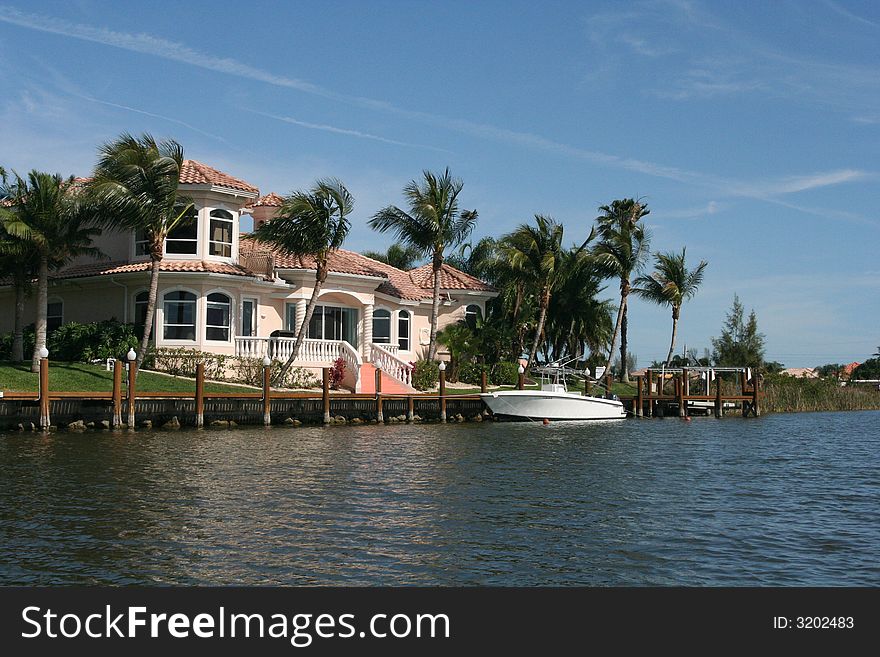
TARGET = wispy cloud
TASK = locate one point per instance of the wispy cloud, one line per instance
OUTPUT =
(344, 131)
(843, 11)
(712, 207)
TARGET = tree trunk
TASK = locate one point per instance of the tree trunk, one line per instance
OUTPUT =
(542, 317)
(42, 310)
(675, 315)
(435, 308)
(620, 312)
(18, 323)
(320, 277)
(151, 310)
(624, 369)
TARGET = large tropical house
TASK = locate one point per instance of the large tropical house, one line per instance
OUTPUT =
(221, 291)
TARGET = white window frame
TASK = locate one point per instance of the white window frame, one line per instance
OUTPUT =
(195, 324)
(390, 312)
(212, 242)
(145, 242)
(479, 313)
(228, 327)
(408, 337)
(255, 318)
(194, 254)
(51, 301)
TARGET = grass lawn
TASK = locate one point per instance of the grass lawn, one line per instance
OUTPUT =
(82, 377)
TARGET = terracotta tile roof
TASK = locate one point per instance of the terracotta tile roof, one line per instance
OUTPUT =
(450, 279)
(196, 173)
(271, 200)
(110, 268)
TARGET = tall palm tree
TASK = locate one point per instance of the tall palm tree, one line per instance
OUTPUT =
(433, 224)
(621, 251)
(671, 284)
(137, 178)
(313, 223)
(57, 221)
(403, 257)
(19, 263)
(537, 253)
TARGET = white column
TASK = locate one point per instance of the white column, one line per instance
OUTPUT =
(367, 332)
(300, 314)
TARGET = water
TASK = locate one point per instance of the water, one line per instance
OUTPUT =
(781, 500)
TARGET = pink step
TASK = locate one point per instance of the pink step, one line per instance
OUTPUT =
(390, 385)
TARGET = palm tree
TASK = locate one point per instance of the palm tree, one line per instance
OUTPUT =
(313, 223)
(537, 253)
(57, 221)
(621, 251)
(432, 225)
(401, 257)
(671, 284)
(137, 178)
(19, 263)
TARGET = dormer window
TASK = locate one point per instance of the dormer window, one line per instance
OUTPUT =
(184, 237)
(221, 234)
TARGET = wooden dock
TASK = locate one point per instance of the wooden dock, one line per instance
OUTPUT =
(662, 389)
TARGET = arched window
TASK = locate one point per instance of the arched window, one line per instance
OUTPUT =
(472, 314)
(217, 320)
(382, 326)
(221, 234)
(184, 237)
(180, 315)
(403, 321)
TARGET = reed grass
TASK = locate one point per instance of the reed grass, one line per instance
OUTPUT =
(786, 394)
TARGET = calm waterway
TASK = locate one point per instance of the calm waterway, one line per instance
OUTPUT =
(779, 500)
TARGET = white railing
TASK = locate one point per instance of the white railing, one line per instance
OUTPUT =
(353, 363)
(389, 363)
(311, 350)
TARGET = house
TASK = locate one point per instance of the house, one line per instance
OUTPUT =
(847, 370)
(220, 291)
(801, 372)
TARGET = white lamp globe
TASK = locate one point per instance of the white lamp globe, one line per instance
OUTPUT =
(44, 353)
(266, 361)
(521, 369)
(131, 355)
(442, 366)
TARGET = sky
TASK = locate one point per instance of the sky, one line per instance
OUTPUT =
(750, 129)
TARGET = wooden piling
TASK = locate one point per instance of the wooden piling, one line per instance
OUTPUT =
(379, 415)
(267, 395)
(325, 394)
(520, 381)
(483, 381)
(685, 392)
(45, 420)
(756, 409)
(132, 377)
(679, 394)
(640, 399)
(410, 408)
(719, 403)
(588, 385)
(117, 394)
(650, 383)
(200, 394)
(443, 394)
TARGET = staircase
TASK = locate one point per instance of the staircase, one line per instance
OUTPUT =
(390, 385)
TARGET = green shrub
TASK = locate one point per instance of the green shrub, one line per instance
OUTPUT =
(83, 343)
(505, 373)
(472, 373)
(425, 375)
(28, 341)
(182, 361)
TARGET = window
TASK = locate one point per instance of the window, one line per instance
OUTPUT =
(221, 234)
(334, 323)
(248, 317)
(54, 315)
(217, 317)
(403, 330)
(140, 308)
(141, 243)
(180, 316)
(472, 315)
(382, 326)
(184, 237)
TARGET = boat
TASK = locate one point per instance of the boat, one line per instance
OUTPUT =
(553, 401)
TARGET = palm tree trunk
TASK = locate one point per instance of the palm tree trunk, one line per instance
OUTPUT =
(435, 308)
(320, 277)
(620, 312)
(42, 303)
(18, 324)
(151, 310)
(542, 317)
(624, 370)
(675, 315)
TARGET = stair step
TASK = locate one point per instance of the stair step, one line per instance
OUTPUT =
(390, 385)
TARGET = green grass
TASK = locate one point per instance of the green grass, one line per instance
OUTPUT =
(81, 377)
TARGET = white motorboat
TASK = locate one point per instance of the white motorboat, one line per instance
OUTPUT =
(552, 401)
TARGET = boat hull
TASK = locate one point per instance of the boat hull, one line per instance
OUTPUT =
(540, 405)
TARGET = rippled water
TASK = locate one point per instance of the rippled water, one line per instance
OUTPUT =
(784, 500)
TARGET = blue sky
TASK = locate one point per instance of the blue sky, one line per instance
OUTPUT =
(752, 130)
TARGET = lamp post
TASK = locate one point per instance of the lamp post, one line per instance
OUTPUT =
(442, 368)
(267, 390)
(521, 381)
(132, 374)
(45, 422)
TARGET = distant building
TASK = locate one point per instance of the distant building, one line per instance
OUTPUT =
(801, 372)
(847, 370)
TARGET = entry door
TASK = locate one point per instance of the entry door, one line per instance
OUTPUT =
(248, 317)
